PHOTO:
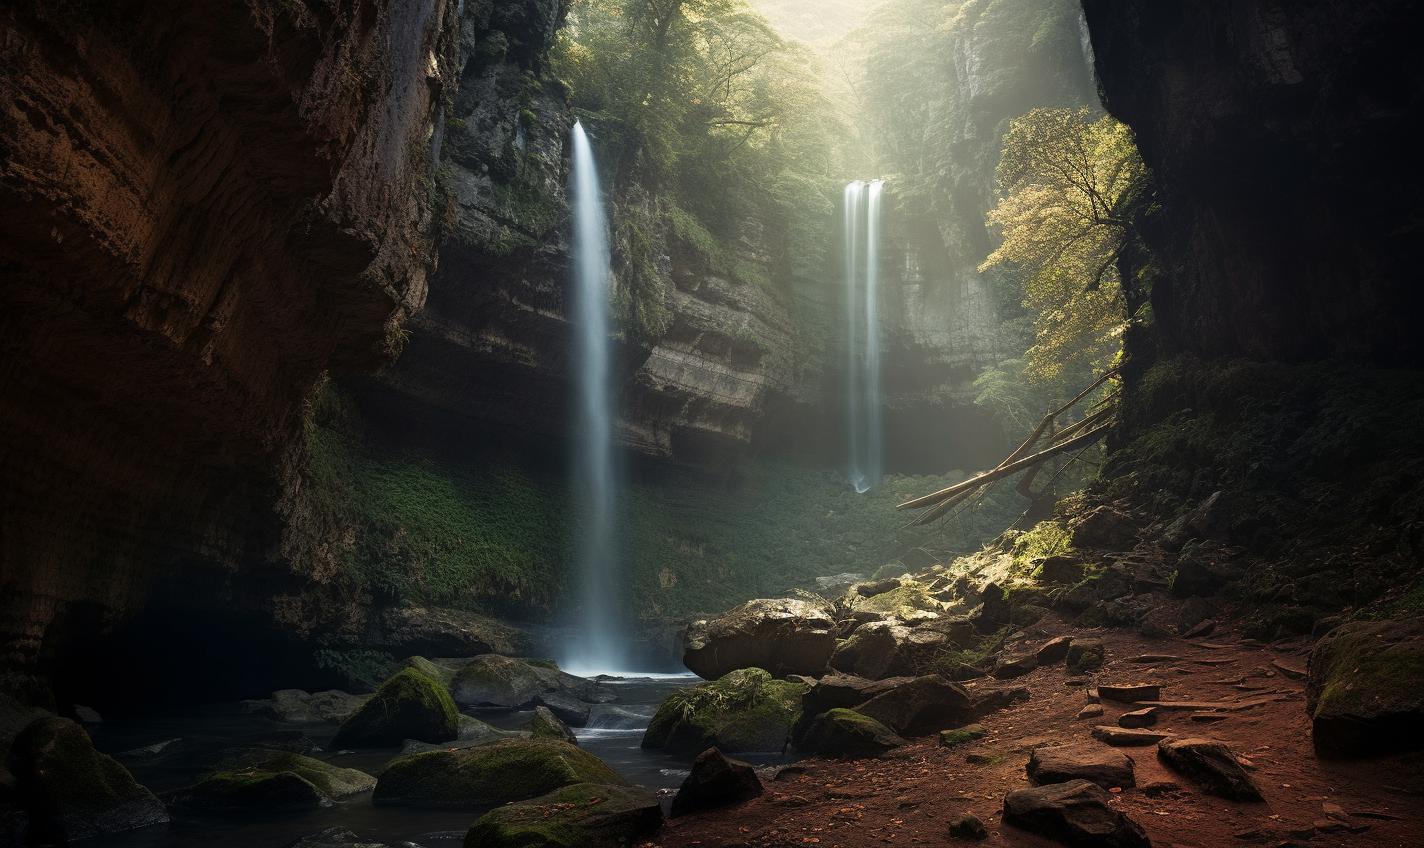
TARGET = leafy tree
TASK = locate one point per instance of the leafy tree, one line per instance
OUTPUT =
(1066, 179)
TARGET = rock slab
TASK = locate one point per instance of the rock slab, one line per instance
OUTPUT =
(1211, 765)
(715, 781)
(1075, 813)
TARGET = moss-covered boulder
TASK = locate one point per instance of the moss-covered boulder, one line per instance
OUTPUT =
(583, 815)
(410, 705)
(509, 770)
(71, 791)
(263, 780)
(443, 671)
(782, 635)
(844, 732)
(743, 711)
(543, 724)
(507, 683)
(1365, 688)
(923, 705)
(961, 735)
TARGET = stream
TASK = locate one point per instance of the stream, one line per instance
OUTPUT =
(188, 745)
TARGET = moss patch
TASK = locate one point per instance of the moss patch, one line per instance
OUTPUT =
(961, 736)
(583, 815)
(510, 770)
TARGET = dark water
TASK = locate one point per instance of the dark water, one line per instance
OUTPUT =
(613, 734)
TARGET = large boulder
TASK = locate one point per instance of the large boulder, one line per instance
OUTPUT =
(410, 705)
(888, 648)
(1081, 761)
(505, 683)
(844, 732)
(839, 690)
(1075, 813)
(582, 815)
(743, 711)
(1211, 765)
(921, 706)
(1365, 688)
(273, 782)
(471, 778)
(783, 636)
(71, 791)
(715, 781)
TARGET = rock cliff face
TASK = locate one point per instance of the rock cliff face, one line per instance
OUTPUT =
(1282, 137)
(205, 205)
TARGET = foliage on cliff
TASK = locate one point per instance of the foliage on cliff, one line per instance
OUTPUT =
(1065, 180)
(714, 134)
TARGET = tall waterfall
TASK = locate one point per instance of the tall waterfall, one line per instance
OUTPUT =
(861, 228)
(599, 647)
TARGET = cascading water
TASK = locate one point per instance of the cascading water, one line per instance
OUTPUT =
(862, 226)
(599, 646)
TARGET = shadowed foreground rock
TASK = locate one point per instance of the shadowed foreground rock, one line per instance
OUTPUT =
(266, 782)
(584, 815)
(72, 791)
(511, 770)
(410, 705)
(783, 636)
(1074, 813)
(923, 705)
(844, 732)
(743, 711)
(715, 781)
(1365, 688)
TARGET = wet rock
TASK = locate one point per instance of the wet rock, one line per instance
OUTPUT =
(921, 706)
(263, 782)
(1365, 688)
(582, 815)
(569, 709)
(968, 826)
(1124, 737)
(409, 705)
(715, 781)
(782, 636)
(1085, 655)
(496, 682)
(1010, 667)
(1211, 765)
(1081, 761)
(508, 770)
(338, 837)
(844, 732)
(1135, 719)
(300, 707)
(743, 711)
(543, 724)
(1075, 813)
(1054, 650)
(71, 791)
(961, 735)
(1130, 693)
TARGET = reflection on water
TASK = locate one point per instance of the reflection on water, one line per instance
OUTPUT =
(195, 743)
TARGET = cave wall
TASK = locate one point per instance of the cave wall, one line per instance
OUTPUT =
(1283, 138)
(203, 205)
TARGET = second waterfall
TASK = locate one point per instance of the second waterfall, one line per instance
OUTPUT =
(861, 241)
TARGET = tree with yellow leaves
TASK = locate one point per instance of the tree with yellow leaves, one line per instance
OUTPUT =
(1065, 180)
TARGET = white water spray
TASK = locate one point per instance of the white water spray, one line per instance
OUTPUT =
(862, 275)
(599, 646)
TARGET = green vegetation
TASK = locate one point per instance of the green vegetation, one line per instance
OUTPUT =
(269, 779)
(411, 705)
(584, 815)
(960, 736)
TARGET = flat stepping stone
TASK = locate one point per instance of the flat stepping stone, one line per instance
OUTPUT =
(1091, 711)
(1081, 761)
(1074, 813)
(1211, 765)
(1123, 737)
(1210, 706)
(1213, 661)
(1130, 693)
(1288, 671)
(1148, 659)
(1207, 718)
(1145, 717)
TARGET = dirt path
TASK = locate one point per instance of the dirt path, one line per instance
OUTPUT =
(910, 797)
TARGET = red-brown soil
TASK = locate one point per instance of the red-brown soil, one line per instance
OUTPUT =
(910, 797)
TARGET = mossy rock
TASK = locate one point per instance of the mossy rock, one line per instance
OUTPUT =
(410, 705)
(434, 670)
(263, 780)
(72, 791)
(1365, 687)
(543, 724)
(1085, 655)
(843, 732)
(961, 735)
(743, 711)
(908, 597)
(583, 815)
(509, 770)
(508, 683)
